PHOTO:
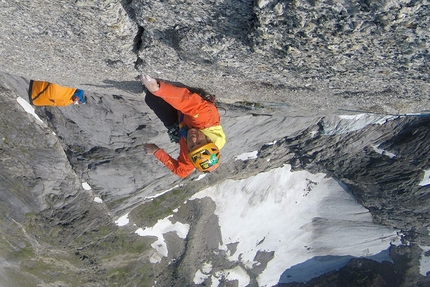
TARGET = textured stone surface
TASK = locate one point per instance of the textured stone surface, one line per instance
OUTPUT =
(280, 70)
(313, 55)
(43, 165)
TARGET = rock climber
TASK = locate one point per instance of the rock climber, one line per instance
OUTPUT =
(49, 94)
(191, 121)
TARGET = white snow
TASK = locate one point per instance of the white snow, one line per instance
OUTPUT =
(272, 143)
(247, 155)
(203, 273)
(426, 178)
(383, 152)
(302, 216)
(98, 199)
(348, 123)
(158, 230)
(122, 220)
(236, 273)
(206, 268)
(29, 108)
(425, 261)
(201, 176)
(86, 186)
(200, 277)
(161, 193)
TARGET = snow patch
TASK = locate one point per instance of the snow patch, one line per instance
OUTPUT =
(207, 268)
(98, 199)
(158, 230)
(311, 213)
(203, 273)
(426, 178)
(200, 277)
(348, 123)
(122, 220)
(161, 193)
(383, 152)
(247, 155)
(29, 108)
(201, 176)
(236, 273)
(86, 186)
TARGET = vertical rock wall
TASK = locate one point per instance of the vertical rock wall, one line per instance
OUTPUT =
(313, 55)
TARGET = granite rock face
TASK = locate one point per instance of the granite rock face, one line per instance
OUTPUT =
(313, 55)
(57, 234)
(281, 71)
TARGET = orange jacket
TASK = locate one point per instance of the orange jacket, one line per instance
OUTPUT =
(49, 94)
(197, 112)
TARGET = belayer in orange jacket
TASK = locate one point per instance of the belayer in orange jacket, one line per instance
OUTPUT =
(49, 94)
(191, 121)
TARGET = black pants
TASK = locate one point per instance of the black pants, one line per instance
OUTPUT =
(164, 111)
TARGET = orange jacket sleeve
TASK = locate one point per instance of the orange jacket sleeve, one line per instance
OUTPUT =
(198, 112)
(181, 166)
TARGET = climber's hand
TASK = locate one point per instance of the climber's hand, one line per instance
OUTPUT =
(150, 83)
(150, 148)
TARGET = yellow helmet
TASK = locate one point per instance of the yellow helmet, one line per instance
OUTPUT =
(205, 158)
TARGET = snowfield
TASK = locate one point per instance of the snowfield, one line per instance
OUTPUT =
(298, 216)
(301, 216)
